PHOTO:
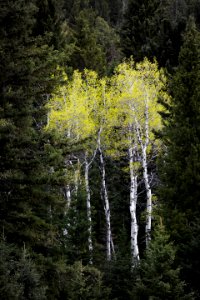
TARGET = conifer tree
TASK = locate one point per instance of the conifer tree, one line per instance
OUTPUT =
(137, 29)
(96, 44)
(153, 28)
(19, 277)
(180, 171)
(30, 164)
(159, 277)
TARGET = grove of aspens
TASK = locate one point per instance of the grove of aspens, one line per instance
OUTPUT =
(99, 149)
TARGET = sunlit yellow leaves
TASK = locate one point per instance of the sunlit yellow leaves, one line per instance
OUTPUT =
(116, 105)
(138, 88)
(73, 106)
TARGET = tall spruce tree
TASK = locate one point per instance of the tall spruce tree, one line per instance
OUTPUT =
(30, 204)
(159, 277)
(137, 27)
(96, 44)
(180, 172)
(153, 28)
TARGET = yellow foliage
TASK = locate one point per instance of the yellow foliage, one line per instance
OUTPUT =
(83, 105)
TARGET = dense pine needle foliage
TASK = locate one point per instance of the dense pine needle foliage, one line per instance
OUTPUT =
(180, 169)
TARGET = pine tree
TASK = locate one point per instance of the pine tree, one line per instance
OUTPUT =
(19, 277)
(153, 29)
(30, 164)
(137, 29)
(180, 168)
(49, 20)
(83, 282)
(96, 44)
(159, 278)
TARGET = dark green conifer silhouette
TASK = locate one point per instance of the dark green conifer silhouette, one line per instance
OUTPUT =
(180, 171)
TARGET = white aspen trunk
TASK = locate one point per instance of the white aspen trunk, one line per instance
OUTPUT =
(148, 196)
(133, 204)
(77, 177)
(69, 133)
(144, 145)
(88, 204)
(109, 242)
(68, 195)
(146, 178)
(67, 189)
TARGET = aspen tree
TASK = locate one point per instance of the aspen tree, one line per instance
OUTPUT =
(136, 91)
(121, 117)
(71, 112)
(104, 122)
(82, 113)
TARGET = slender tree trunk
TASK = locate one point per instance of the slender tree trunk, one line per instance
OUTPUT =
(133, 205)
(144, 144)
(67, 187)
(68, 195)
(146, 177)
(77, 177)
(88, 204)
(109, 242)
(148, 196)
